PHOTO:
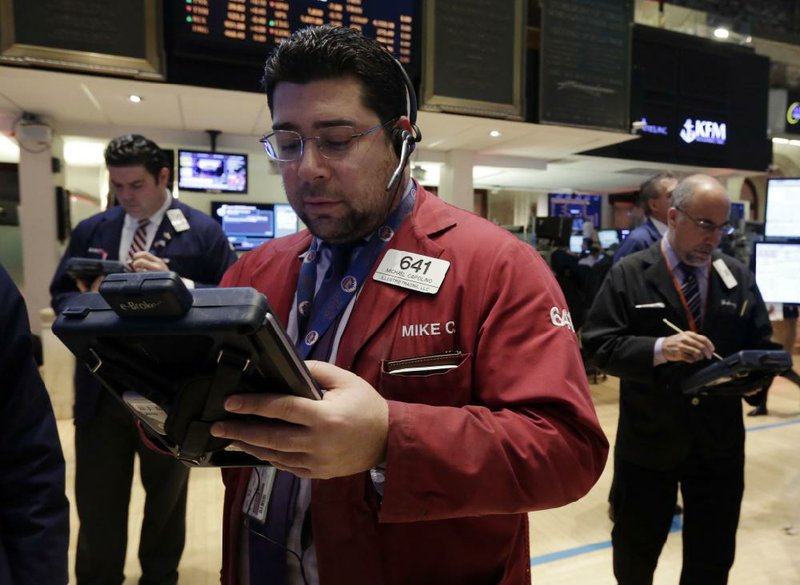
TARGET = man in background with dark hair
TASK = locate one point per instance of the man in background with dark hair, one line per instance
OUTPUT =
(457, 402)
(654, 200)
(34, 512)
(149, 231)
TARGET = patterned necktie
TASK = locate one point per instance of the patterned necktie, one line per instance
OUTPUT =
(340, 259)
(691, 292)
(139, 240)
(268, 541)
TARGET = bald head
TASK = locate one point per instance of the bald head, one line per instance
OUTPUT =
(699, 212)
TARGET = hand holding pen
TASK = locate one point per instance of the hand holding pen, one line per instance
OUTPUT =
(687, 346)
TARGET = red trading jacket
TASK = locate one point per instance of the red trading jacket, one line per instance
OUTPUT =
(512, 429)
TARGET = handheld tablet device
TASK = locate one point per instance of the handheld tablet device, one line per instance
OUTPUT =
(87, 269)
(172, 356)
(738, 373)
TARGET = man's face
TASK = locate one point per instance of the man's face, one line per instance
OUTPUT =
(340, 199)
(139, 193)
(693, 243)
(660, 205)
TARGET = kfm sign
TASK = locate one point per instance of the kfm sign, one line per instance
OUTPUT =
(693, 130)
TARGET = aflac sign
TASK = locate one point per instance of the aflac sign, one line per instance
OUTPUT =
(654, 128)
(703, 131)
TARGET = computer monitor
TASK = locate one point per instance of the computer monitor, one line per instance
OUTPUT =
(576, 243)
(778, 271)
(581, 208)
(248, 225)
(212, 172)
(608, 238)
(783, 208)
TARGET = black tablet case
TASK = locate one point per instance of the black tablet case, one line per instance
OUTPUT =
(226, 342)
(738, 373)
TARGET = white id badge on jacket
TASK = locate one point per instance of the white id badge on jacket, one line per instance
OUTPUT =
(412, 271)
(724, 273)
(178, 220)
(259, 489)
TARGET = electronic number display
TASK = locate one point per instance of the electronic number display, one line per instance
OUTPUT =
(253, 27)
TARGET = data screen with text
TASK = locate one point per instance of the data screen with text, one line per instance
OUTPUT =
(236, 29)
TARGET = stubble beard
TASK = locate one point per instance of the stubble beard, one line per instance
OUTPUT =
(355, 223)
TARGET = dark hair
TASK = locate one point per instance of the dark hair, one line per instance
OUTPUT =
(652, 188)
(328, 52)
(133, 150)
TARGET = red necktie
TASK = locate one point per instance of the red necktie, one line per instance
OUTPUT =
(139, 240)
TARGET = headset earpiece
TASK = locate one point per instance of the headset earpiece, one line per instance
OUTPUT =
(404, 141)
(398, 137)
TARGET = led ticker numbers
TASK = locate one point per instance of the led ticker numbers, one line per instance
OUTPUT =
(236, 27)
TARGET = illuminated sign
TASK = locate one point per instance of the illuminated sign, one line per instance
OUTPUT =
(793, 113)
(706, 131)
(654, 128)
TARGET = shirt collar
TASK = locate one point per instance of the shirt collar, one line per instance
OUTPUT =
(661, 227)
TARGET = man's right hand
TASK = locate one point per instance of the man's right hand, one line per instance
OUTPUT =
(687, 347)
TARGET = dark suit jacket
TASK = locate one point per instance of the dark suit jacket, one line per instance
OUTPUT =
(639, 239)
(34, 512)
(201, 253)
(658, 426)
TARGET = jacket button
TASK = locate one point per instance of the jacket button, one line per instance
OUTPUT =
(695, 401)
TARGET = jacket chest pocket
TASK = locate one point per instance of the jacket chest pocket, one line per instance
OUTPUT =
(439, 380)
(649, 318)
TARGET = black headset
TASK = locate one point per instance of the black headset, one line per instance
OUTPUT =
(403, 140)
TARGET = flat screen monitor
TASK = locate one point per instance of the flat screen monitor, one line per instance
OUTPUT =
(248, 225)
(213, 172)
(580, 208)
(778, 271)
(783, 208)
(608, 238)
(576, 244)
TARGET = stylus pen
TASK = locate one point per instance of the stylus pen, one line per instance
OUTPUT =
(677, 329)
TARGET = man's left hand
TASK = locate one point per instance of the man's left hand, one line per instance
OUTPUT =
(147, 262)
(342, 434)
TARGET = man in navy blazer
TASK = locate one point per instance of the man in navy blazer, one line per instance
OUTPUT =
(34, 512)
(150, 231)
(654, 199)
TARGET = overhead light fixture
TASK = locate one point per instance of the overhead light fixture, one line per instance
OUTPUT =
(135, 99)
(495, 133)
(721, 33)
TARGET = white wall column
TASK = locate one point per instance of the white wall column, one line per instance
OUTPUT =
(38, 228)
(455, 180)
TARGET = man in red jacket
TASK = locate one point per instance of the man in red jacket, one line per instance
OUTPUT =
(457, 402)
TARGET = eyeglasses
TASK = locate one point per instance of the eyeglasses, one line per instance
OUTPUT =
(710, 227)
(333, 142)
